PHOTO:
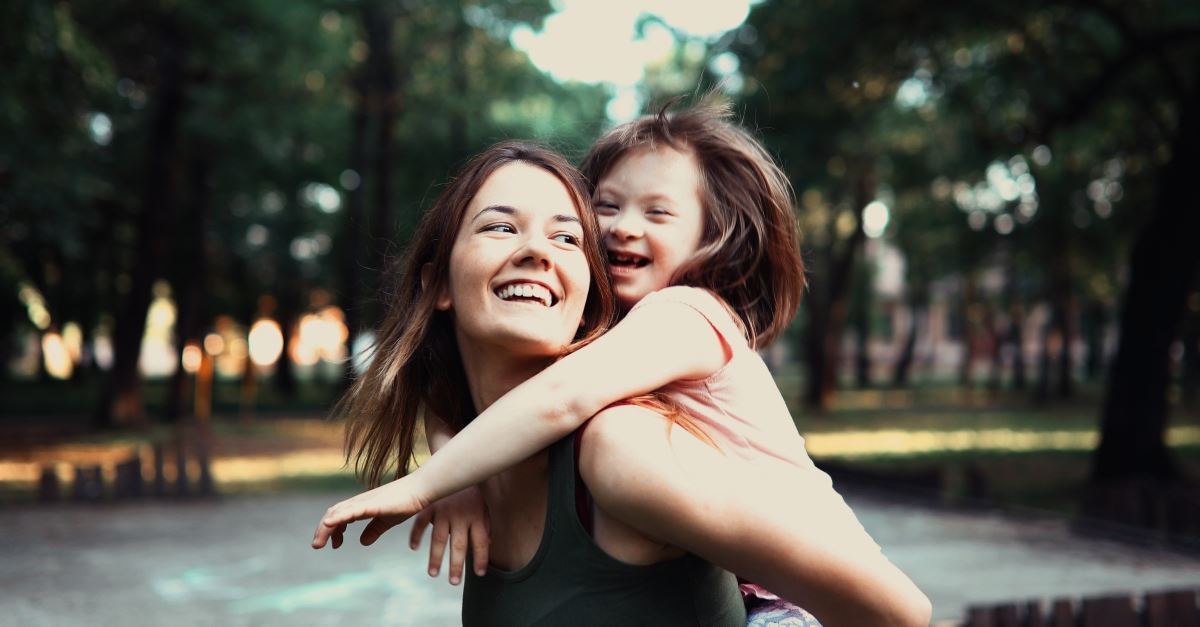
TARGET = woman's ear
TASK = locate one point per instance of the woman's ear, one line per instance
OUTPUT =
(443, 299)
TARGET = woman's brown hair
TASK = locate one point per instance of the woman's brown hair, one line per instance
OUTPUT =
(749, 250)
(416, 364)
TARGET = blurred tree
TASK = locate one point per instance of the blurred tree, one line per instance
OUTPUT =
(1075, 87)
(241, 153)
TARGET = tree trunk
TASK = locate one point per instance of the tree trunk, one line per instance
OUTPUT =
(1162, 268)
(966, 370)
(1016, 335)
(387, 103)
(1190, 378)
(457, 118)
(287, 314)
(903, 368)
(121, 400)
(1093, 330)
(351, 254)
(191, 269)
(827, 315)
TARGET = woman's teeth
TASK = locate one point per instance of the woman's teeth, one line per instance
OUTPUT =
(529, 291)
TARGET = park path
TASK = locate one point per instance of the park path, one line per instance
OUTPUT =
(245, 561)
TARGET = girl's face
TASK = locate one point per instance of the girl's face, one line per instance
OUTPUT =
(651, 218)
(518, 278)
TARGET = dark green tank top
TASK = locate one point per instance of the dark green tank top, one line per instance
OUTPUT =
(572, 581)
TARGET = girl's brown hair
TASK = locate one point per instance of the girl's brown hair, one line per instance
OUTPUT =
(749, 250)
(416, 363)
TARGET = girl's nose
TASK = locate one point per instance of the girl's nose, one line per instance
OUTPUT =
(626, 226)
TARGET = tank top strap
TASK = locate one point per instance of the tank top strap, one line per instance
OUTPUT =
(560, 495)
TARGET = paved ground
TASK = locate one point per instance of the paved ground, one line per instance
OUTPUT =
(245, 561)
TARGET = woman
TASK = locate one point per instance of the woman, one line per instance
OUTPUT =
(495, 288)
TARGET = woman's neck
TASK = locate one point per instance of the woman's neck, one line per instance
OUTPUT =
(493, 372)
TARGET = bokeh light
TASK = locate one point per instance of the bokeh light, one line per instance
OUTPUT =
(56, 357)
(266, 342)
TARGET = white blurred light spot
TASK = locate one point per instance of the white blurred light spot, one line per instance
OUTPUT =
(1041, 155)
(323, 197)
(624, 106)
(724, 64)
(349, 180)
(72, 336)
(912, 94)
(977, 220)
(618, 54)
(57, 359)
(875, 219)
(266, 342)
(35, 305)
(100, 126)
(191, 358)
(214, 344)
(256, 235)
(272, 202)
(363, 348)
(1004, 224)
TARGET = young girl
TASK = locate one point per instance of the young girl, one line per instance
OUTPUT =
(702, 246)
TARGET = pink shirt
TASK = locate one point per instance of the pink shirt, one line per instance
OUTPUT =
(739, 405)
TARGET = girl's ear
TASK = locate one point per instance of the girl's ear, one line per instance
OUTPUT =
(443, 299)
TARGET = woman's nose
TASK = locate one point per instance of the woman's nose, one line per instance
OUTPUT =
(535, 250)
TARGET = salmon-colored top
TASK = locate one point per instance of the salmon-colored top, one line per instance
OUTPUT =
(739, 405)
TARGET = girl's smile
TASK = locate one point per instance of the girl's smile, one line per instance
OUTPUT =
(651, 218)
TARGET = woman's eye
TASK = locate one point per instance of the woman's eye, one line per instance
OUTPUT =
(567, 238)
(500, 228)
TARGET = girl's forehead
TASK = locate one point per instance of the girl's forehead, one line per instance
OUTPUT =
(652, 167)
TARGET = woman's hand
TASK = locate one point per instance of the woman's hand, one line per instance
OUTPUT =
(388, 505)
(461, 518)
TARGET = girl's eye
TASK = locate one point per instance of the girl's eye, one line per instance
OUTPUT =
(658, 211)
(605, 208)
(500, 228)
(567, 238)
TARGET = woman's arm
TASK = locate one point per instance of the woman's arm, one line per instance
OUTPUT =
(809, 548)
(651, 347)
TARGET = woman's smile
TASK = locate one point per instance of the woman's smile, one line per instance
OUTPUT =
(519, 277)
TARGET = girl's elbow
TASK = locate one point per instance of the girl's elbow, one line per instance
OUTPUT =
(915, 611)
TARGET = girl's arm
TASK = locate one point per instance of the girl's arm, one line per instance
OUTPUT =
(653, 346)
(808, 548)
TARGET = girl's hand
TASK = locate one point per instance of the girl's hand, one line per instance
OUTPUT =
(461, 518)
(388, 505)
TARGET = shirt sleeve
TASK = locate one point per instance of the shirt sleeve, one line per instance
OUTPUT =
(715, 311)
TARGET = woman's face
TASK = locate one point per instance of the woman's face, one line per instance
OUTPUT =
(518, 277)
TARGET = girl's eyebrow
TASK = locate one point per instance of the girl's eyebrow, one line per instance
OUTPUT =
(512, 211)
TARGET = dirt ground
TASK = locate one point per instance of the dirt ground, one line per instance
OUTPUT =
(245, 560)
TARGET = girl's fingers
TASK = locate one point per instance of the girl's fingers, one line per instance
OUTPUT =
(377, 527)
(480, 541)
(337, 536)
(418, 529)
(437, 546)
(458, 552)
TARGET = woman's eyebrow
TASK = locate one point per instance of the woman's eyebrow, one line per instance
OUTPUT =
(512, 211)
(505, 209)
